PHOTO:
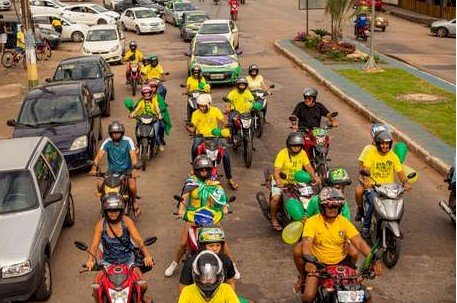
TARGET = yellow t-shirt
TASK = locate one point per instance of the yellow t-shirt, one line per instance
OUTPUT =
(143, 107)
(138, 56)
(289, 164)
(329, 238)
(382, 167)
(152, 72)
(20, 37)
(56, 22)
(205, 123)
(193, 84)
(242, 103)
(224, 294)
(366, 150)
(255, 84)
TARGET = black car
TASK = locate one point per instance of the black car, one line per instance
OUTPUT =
(68, 115)
(93, 70)
(126, 4)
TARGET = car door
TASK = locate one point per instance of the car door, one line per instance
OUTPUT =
(107, 77)
(43, 22)
(67, 29)
(235, 34)
(169, 12)
(129, 21)
(92, 16)
(90, 105)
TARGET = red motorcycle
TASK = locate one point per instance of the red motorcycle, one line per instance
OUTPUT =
(210, 147)
(118, 283)
(134, 76)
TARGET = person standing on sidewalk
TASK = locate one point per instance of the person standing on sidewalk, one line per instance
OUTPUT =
(3, 36)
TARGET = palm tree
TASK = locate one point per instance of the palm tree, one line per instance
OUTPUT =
(338, 9)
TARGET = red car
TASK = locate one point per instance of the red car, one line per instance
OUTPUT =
(377, 4)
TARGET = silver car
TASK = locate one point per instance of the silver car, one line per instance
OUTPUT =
(443, 28)
(175, 9)
(35, 202)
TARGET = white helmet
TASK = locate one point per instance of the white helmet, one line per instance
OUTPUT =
(204, 99)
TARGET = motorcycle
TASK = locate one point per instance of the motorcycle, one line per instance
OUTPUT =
(449, 207)
(388, 211)
(134, 76)
(191, 101)
(258, 115)
(146, 138)
(210, 146)
(233, 11)
(119, 283)
(362, 33)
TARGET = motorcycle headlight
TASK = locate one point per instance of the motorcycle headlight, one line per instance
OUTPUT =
(16, 270)
(79, 143)
(114, 48)
(119, 296)
(86, 50)
(98, 96)
(246, 123)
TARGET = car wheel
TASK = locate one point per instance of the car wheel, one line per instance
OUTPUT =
(77, 37)
(137, 30)
(441, 32)
(44, 290)
(70, 217)
(124, 28)
(102, 21)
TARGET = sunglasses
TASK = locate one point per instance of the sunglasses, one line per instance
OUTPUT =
(204, 169)
(297, 145)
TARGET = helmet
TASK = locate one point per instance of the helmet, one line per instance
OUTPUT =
(377, 128)
(196, 68)
(310, 92)
(146, 61)
(132, 45)
(113, 202)
(252, 68)
(338, 176)
(154, 58)
(116, 127)
(241, 80)
(207, 273)
(153, 83)
(331, 197)
(383, 136)
(200, 162)
(204, 100)
(211, 234)
(146, 92)
(294, 138)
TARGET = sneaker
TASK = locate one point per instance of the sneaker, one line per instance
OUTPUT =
(171, 269)
(237, 275)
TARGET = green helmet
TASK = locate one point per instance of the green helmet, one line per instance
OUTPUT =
(338, 176)
(211, 234)
(153, 57)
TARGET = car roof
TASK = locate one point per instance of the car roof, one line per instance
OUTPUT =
(211, 38)
(64, 88)
(139, 8)
(17, 152)
(102, 26)
(216, 21)
(81, 59)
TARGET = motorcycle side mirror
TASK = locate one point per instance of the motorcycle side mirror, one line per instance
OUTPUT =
(81, 245)
(232, 199)
(225, 99)
(182, 85)
(283, 175)
(310, 259)
(149, 241)
(11, 122)
(48, 80)
(90, 162)
(177, 198)
(334, 114)
(293, 119)
(411, 175)
(365, 173)
(187, 53)
(166, 73)
(239, 52)
(272, 86)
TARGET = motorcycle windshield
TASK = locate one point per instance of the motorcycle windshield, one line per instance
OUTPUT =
(145, 130)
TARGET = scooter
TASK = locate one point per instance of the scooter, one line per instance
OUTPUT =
(119, 283)
(146, 138)
(449, 207)
(387, 212)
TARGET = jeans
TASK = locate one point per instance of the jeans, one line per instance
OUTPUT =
(225, 158)
(162, 90)
(370, 197)
(159, 130)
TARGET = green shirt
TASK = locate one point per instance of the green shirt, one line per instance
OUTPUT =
(313, 208)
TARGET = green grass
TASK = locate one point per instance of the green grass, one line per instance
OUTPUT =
(438, 118)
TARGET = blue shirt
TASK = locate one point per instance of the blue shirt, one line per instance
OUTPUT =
(119, 154)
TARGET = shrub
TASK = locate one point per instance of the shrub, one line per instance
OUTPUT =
(301, 36)
(333, 46)
(321, 32)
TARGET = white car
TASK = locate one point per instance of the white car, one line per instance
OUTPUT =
(90, 14)
(5, 5)
(105, 40)
(71, 31)
(222, 27)
(46, 6)
(142, 20)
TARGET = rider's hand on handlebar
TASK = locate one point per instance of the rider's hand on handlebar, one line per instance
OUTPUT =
(181, 213)
(135, 174)
(279, 184)
(148, 261)
(335, 123)
(93, 171)
(317, 179)
(310, 268)
(90, 264)
(294, 127)
(132, 115)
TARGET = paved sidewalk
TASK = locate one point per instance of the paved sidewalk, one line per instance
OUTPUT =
(430, 148)
(409, 15)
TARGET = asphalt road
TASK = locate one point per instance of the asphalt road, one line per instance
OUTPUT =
(426, 269)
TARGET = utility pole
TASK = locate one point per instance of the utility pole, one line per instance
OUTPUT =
(371, 63)
(32, 71)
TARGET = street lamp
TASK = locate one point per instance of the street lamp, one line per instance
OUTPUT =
(371, 63)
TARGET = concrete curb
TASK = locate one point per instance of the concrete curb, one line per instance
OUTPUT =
(436, 163)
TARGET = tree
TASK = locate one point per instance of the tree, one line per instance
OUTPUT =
(338, 9)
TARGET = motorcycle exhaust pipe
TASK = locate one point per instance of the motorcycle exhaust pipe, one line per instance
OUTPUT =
(446, 209)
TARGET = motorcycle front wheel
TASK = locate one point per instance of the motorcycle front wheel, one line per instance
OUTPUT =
(144, 152)
(391, 254)
(264, 205)
(248, 149)
(134, 85)
(259, 125)
(452, 202)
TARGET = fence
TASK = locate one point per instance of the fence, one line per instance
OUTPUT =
(437, 11)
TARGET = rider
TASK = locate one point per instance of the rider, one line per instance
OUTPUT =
(288, 161)
(196, 81)
(325, 237)
(133, 54)
(203, 121)
(383, 164)
(122, 157)
(241, 100)
(208, 287)
(112, 231)
(20, 41)
(256, 82)
(155, 71)
(210, 238)
(149, 104)
(360, 22)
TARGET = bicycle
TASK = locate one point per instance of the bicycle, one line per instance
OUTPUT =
(12, 58)
(43, 49)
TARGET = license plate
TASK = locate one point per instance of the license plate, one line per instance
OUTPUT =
(306, 191)
(216, 76)
(351, 296)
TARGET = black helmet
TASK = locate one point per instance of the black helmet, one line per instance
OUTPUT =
(200, 162)
(252, 68)
(116, 127)
(294, 138)
(383, 136)
(331, 197)
(146, 61)
(310, 92)
(207, 273)
(241, 80)
(132, 45)
(113, 201)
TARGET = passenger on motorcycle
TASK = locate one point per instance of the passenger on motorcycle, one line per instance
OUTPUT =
(383, 164)
(133, 54)
(122, 157)
(241, 100)
(213, 239)
(325, 236)
(196, 81)
(361, 23)
(288, 161)
(191, 199)
(154, 71)
(375, 129)
(256, 82)
(115, 232)
(203, 121)
(208, 287)
(149, 104)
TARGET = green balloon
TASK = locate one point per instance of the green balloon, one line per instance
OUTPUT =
(401, 149)
(243, 300)
(257, 106)
(128, 103)
(302, 176)
(216, 132)
(295, 209)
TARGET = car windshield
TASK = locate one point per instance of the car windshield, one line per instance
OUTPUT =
(214, 49)
(145, 14)
(102, 35)
(180, 7)
(51, 109)
(99, 9)
(196, 18)
(209, 29)
(69, 72)
(16, 192)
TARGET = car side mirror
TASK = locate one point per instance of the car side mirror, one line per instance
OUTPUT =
(52, 198)
(81, 245)
(239, 52)
(187, 53)
(96, 112)
(149, 241)
(48, 80)
(11, 122)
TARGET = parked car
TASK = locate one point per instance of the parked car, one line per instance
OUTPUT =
(107, 41)
(35, 202)
(443, 28)
(217, 58)
(224, 27)
(71, 31)
(95, 72)
(46, 7)
(142, 20)
(162, 2)
(5, 5)
(90, 14)
(191, 22)
(126, 4)
(175, 9)
(68, 115)
(51, 36)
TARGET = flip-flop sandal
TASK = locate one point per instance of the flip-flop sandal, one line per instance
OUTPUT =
(233, 185)
(137, 211)
(276, 226)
